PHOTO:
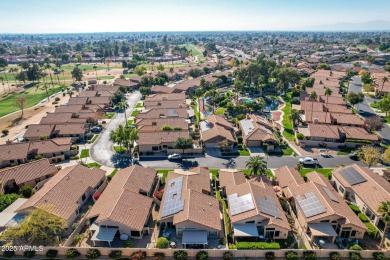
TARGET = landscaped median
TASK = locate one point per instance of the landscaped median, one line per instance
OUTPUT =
(288, 131)
(257, 245)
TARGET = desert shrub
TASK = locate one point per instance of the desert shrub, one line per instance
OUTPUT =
(93, 253)
(309, 255)
(228, 255)
(159, 255)
(291, 255)
(379, 256)
(257, 245)
(202, 255)
(72, 253)
(5, 132)
(26, 191)
(355, 247)
(363, 217)
(57, 99)
(51, 253)
(270, 255)
(355, 256)
(162, 243)
(180, 255)
(128, 244)
(222, 241)
(29, 253)
(115, 254)
(335, 256)
(300, 136)
(372, 230)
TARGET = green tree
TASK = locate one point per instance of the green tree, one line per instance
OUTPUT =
(6, 199)
(328, 92)
(384, 104)
(384, 210)
(140, 70)
(21, 76)
(95, 68)
(238, 86)
(256, 165)
(323, 66)
(123, 105)
(4, 64)
(183, 143)
(162, 243)
(26, 191)
(384, 80)
(39, 225)
(78, 58)
(48, 67)
(21, 103)
(313, 96)
(355, 98)
(77, 74)
(160, 67)
(370, 155)
(295, 117)
(366, 78)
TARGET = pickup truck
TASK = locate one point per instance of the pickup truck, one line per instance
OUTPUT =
(309, 161)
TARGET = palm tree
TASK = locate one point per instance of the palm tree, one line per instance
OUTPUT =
(95, 68)
(313, 96)
(295, 117)
(212, 93)
(384, 80)
(238, 85)
(2, 82)
(255, 165)
(133, 136)
(108, 61)
(47, 66)
(123, 105)
(5, 77)
(384, 209)
(328, 92)
(63, 74)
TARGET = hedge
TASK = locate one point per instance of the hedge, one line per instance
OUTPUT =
(372, 230)
(354, 208)
(257, 245)
(363, 217)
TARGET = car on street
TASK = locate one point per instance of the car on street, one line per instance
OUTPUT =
(353, 155)
(174, 156)
(324, 153)
(361, 112)
(96, 129)
(309, 161)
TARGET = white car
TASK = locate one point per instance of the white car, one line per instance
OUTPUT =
(174, 156)
(309, 161)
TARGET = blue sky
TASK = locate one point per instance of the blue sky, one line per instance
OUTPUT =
(51, 16)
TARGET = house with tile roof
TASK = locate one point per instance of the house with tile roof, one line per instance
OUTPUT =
(321, 212)
(125, 205)
(65, 194)
(13, 154)
(363, 187)
(189, 208)
(216, 129)
(254, 208)
(29, 174)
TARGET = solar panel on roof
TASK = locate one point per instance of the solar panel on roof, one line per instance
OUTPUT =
(330, 194)
(268, 206)
(310, 205)
(240, 204)
(172, 201)
(352, 176)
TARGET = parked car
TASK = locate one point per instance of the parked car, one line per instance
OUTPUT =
(353, 155)
(174, 156)
(309, 161)
(361, 112)
(324, 152)
(96, 129)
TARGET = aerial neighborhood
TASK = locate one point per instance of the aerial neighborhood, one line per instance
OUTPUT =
(190, 145)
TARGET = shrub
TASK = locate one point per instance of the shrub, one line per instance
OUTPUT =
(51, 253)
(57, 99)
(92, 253)
(355, 247)
(300, 136)
(291, 255)
(379, 256)
(128, 244)
(159, 255)
(26, 191)
(335, 256)
(232, 246)
(75, 157)
(309, 255)
(202, 255)
(5, 132)
(270, 255)
(72, 253)
(222, 241)
(354, 208)
(372, 230)
(115, 254)
(29, 253)
(180, 255)
(228, 255)
(138, 255)
(8, 254)
(363, 217)
(257, 245)
(355, 256)
(162, 243)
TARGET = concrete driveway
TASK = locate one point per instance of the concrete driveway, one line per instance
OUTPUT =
(102, 150)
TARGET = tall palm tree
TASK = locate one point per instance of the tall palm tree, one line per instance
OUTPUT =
(95, 68)
(384, 209)
(256, 165)
(123, 105)
(63, 74)
(134, 136)
(212, 93)
(328, 92)
(2, 82)
(48, 67)
(313, 96)
(384, 80)
(238, 85)
(295, 117)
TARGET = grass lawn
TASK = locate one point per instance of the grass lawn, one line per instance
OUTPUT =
(288, 151)
(387, 119)
(135, 113)
(84, 153)
(225, 215)
(164, 172)
(214, 173)
(119, 149)
(94, 165)
(324, 171)
(139, 105)
(129, 76)
(268, 172)
(220, 111)
(109, 115)
(130, 122)
(112, 174)
(195, 52)
(288, 131)
(244, 152)
(94, 138)
(105, 77)
(33, 96)
(375, 104)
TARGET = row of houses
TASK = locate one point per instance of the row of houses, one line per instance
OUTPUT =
(328, 118)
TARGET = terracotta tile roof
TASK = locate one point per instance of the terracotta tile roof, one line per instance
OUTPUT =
(186, 84)
(109, 88)
(70, 129)
(258, 189)
(51, 146)
(316, 116)
(36, 131)
(372, 192)
(161, 89)
(78, 100)
(27, 172)
(151, 124)
(163, 112)
(217, 132)
(161, 97)
(161, 137)
(121, 201)
(124, 82)
(358, 133)
(256, 129)
(14, 151)
(91, 93)
(61, 193)
(199, 207)
(324, 131)
(312, 106)
(287, 177)
(347, 119)
(165, 104)
(99, 100)
(334, 108)
(219, 120)
(61, 118)
(337, 132)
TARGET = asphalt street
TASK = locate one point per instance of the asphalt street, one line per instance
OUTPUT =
(102, 150)
(356, 86)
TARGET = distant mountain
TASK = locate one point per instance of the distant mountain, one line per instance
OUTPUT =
(375, 25)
